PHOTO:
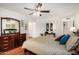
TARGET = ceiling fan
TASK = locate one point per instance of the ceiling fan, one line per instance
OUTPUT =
(37, 11)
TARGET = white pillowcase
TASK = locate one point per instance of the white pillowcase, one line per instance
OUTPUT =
(70, 43)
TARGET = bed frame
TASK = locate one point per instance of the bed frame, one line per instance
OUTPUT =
(26, 51)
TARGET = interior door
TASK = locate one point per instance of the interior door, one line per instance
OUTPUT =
(66, 26)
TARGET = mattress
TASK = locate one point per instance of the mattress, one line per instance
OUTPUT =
(45, 46)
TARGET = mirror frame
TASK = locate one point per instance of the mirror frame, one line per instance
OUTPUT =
(11, 19)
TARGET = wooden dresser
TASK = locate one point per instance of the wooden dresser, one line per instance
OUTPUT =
(11, 41)
(22, 38)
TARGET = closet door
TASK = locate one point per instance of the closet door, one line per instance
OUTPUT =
(67, 26)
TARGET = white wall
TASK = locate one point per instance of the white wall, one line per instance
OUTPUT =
(57, 23)
(0, 27)
(12, 14)
(39, 23)
(32, 29)
(76, 20)
(68, 24)
(39, 26)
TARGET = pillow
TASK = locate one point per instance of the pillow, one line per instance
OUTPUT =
(58, 38)
(64, 39)
(70, 43)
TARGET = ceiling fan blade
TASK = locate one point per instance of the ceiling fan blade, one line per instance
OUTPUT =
(45, 11)
(31, 13)
(28, 9)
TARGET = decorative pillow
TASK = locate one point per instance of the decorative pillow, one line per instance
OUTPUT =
(58, 38)
(71, 42)
(64, 39)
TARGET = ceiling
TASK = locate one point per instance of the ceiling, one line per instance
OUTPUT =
(56, 9)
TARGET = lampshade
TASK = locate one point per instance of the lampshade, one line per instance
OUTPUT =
(73, 29)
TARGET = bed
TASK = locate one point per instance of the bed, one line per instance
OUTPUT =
(45, 46)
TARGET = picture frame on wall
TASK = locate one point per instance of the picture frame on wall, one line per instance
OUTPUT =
(25, 26)
(22, 23)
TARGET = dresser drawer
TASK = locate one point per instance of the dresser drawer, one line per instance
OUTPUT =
(9, 42)
(5, 41)
(5, 38)
(5, 48)
(4, 45)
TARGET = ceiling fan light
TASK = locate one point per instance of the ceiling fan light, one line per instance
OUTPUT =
(38, 13)
(34, 14)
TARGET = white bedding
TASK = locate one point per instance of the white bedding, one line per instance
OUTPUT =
(45, 46)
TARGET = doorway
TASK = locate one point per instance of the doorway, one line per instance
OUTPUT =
(67, 24)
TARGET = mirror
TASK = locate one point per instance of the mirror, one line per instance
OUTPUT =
(9, 26)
